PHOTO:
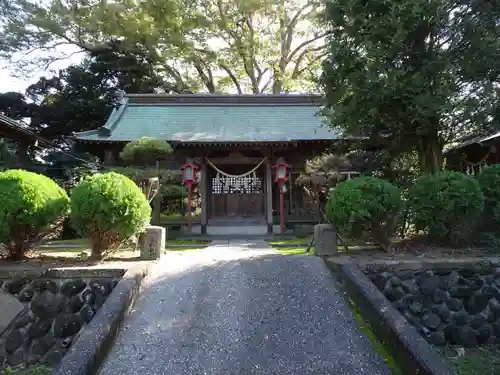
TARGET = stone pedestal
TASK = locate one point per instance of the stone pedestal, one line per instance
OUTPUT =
(152, 243)
(325, 240)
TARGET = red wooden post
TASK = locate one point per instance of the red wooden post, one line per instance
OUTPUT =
(281, 178)
(190, 217)
(189, 177)
(282, 208)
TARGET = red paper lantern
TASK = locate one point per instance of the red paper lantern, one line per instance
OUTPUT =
(189, 174)
(281, 171)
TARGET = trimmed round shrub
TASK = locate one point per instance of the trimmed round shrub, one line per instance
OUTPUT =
(489, 182)
(446, 205)
(33, 210)
(108, 209)
(365, 207)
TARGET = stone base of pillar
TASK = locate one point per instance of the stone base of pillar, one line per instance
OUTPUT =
(325, 240)
(203, 228)
(269, 228)
(152, 243)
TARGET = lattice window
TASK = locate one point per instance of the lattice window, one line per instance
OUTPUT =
(232, 185)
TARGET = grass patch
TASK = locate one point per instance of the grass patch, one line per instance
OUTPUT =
(378, 345)
(187, 242)
(291, 241)
(479, 361)
(293, 250)
(73, 242)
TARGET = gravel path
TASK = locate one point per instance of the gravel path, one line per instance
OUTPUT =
(241, 309)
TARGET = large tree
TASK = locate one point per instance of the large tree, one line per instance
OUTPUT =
(414, 73)
(82, 96)
(202, 45)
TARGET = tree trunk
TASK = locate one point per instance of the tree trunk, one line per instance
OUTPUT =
(430, 154)
(97, 248)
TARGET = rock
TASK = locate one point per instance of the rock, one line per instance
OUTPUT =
(478, 321)
(99, 301)
(39, 347)
(67, 325)
(54, 356)
(460, 318)
(489, 280)
(452, 333)
(428, 285)
(76, 303)
(394, 281)
(410, 287)
(436, 338)
(496, 328)
(414, 321)
(443, 312)
(454, 304)
(467, 272)
(70, 288)
(27, 293)
(13, 341)
(47, 304)
(467, 337)
(494, 306)
(483, 334)
(415, 305)
(490, 315)
(490, 291)
(45, 284)
(87, 313)
(105, 286)
(448, 281)
(16, 358)
(476, 304)
(38, 328)
(88, 296)
(461, 292)
(431, 321)
(22, 320)
(442, 271)
(439, 296)
(380, 279)
(11, 308)
(392, 294)
(15, 286)
(400, 306)
(475, 283)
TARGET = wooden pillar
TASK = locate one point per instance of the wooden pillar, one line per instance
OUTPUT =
(269, 196)
(204, 196)
(109, 157)
(22, 154)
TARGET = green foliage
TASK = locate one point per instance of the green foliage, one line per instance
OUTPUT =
(108, 209)
(170, 181)
(33, 209)
(365, 206)
(146, 149)
(39, 370)
(489, 181)
(261, 46)
(413, 74)
(446, 205)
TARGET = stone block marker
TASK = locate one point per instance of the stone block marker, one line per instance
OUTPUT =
(325, 240)
(152, 243)
(11, 307)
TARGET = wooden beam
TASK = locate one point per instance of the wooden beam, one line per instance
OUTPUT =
(238, 160)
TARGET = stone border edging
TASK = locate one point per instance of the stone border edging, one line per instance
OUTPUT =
(94, 341)
(409, 348)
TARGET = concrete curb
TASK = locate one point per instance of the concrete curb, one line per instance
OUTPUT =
(94, 341)
(409, 348)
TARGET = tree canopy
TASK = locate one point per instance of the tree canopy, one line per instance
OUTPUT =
(416, 74)
(198, 45)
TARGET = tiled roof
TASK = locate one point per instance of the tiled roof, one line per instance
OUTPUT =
(215, 118)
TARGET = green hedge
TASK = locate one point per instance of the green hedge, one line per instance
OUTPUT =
(108, 209)
(33, 208)
(446, 206)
